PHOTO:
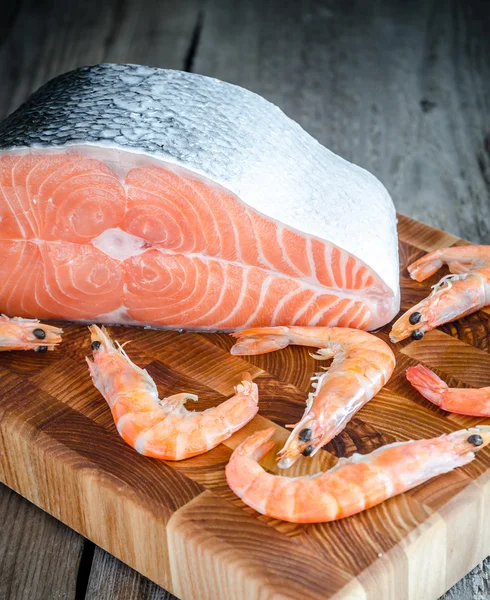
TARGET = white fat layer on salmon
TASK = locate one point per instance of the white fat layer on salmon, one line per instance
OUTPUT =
(118, 316)
(119, 244)
(204, 206)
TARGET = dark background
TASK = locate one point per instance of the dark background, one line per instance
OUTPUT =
(399, 87)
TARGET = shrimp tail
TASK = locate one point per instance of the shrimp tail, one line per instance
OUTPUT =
(258, 444)
(428, 384)
(459, 259)
(260, 340)
(426, 266)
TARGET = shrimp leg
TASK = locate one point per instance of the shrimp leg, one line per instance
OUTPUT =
(464, 401)
(163, 429)
(27, 334)
(353, 484)
(457, 295)
(362, 364)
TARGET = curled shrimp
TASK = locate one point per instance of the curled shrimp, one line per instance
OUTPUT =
(353, 484)
(362, 364)
(457, 295)
(27, 334)
(163, 429)
(464, 401)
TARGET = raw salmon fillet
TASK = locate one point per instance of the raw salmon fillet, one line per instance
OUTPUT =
(138, 195)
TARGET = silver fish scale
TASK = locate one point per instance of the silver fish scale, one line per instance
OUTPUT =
(139, 108)
(226, 133)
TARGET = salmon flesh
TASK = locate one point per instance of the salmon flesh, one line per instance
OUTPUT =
(153, 197)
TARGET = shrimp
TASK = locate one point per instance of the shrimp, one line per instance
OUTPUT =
(464, 401)
(353, 484)
(27, 334)
(162, 429)
(457, 295)
(362, 364)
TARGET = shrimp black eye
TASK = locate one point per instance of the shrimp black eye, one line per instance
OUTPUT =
(475, 439)
(305, 435)
(414, 318)
(308, 450)
(39, 333)
(95, 345)
(417, 334)
(41, 349)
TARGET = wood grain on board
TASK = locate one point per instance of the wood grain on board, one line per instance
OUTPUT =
(181, 526)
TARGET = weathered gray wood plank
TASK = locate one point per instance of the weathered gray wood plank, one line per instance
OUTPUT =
(39, 556)
(51, 37)
(110, 578)
(400, 88)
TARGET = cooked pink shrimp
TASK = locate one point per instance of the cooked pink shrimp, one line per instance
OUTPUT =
(362, 364)
(464, 401)
(462, 293)
(353, 484)
(163, 428)
(27, 334)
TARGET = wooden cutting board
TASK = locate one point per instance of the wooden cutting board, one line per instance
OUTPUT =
(180, 525)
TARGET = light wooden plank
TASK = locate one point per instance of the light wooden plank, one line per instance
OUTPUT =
(45, 39)
(217, 546)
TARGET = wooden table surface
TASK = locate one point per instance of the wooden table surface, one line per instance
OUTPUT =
(401, 88)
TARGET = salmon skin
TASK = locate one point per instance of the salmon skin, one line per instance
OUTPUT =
(144, 196)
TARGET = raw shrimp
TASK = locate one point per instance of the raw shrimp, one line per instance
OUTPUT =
(362, 364)
(464, 401)
(353, 484)
(462, 293)
(163, 428)
(27, 334)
